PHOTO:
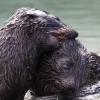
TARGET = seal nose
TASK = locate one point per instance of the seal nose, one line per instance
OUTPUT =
(69, 84)
(72, 34)
(68, 31)
(72, 87)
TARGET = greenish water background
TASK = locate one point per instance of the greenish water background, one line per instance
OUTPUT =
(82, 15)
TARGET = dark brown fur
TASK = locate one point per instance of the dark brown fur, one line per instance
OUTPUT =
(23, 38)
(66, 70)
(62, 71)
(91, 84)
(94, 68)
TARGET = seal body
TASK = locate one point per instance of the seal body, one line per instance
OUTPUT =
(23, 38)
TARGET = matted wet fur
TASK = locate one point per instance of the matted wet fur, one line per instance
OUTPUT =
(61, 71)
(66, 70)
(23, 37)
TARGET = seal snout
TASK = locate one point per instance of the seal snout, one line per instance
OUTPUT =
(72, 34)
(62, 33)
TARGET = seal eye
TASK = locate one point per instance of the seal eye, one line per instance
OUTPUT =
(57, 19)
(32, 15)
(67, 66)
(29, 15)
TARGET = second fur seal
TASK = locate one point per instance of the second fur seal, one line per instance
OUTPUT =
(66, 71)
(23, 38)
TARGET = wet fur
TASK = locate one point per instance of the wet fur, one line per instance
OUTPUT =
(23, 38)
(52, 78)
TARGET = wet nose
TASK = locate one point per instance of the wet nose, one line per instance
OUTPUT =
(72, 87)
(72, 34)
(69, 84)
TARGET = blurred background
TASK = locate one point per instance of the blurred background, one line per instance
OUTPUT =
(82, 15)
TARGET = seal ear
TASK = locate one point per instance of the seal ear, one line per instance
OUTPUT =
(94, 67)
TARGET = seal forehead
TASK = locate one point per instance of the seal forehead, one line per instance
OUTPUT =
(39, 13)
(36, 12)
